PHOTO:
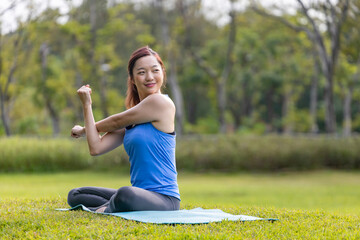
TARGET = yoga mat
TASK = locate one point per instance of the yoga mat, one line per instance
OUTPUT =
(193, 216)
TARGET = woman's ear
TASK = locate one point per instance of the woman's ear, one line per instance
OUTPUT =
(133, 85)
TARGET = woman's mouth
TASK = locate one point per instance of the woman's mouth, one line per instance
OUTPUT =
(150, 85)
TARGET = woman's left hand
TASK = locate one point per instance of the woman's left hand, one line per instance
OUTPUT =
(85, 94)
(77, 131)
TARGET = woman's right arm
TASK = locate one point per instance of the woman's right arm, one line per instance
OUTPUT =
(97, 144)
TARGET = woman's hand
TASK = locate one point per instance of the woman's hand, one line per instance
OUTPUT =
(77, 131)
(85, 95)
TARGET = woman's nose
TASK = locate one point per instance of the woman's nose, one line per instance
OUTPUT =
(149, 76)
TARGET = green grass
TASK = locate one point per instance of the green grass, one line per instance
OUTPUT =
(313, 205)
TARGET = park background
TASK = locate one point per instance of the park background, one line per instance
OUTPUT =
(268, 114)
(232, 66)
(267, 86)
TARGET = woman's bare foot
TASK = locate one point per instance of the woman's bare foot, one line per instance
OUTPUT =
(100, 210)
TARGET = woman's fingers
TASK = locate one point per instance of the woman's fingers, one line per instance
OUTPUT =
(77, 131)
(88, 86)
(84, 93)
(85, 88)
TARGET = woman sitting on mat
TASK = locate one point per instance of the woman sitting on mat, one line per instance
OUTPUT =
(147, 130)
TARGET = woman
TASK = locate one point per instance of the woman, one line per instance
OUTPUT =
(147, 130)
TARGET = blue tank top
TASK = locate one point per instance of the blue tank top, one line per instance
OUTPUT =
(152, 159)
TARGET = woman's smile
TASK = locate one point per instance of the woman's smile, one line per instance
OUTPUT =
(148, 76)
(150, 85)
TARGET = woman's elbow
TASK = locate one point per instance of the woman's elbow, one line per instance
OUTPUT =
(94, 152)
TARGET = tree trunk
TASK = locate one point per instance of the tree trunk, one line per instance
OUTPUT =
(221, 103)
(96, 80)
(220, 80)
(78, 108)
(177, 96)
(3, 96)
(246, 103)
(347, 119)
(347, 113)
(103, 94)
(55, 119)
(4, 91)
(172, 77)
(237, 115)
(4, 114)
(334, 16)
(103, 89)
(330, 120)
(328, 60)
(313, 97)
(288, 126)
(93, 37)
(227, 70)
(270, 110)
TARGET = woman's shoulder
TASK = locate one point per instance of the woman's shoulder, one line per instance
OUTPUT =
(161, 100)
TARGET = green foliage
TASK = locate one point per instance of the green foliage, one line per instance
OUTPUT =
(27, 125)
(33, 154)
(266, 153)
(268, 86)
(196, 153)
(299, 120)
(203, 126)
(47, 154)
(252, 128)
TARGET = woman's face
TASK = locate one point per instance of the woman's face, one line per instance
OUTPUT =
(148, 76)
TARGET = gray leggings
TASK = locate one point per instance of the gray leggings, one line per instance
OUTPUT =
(122, 200)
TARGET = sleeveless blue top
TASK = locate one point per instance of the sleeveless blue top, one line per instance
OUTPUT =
(152, 159)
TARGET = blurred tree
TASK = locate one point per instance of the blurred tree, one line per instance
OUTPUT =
(11, 58)
(268, 80)
(349, 72)
(334, 15)
(268, 77)
(170, 49)
(219, 78)
(313, 105)
(116, 36)
(76, 65)
(117, 39)
(47, 66)
(7, 77)
(95, 13)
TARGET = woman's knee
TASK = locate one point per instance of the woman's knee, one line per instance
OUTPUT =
(71, 196)
(123, 199)
(125, 194)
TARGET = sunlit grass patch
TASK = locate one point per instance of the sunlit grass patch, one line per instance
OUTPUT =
(38, 219)
(314, 205)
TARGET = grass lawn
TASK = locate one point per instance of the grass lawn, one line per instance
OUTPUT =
(314, 205)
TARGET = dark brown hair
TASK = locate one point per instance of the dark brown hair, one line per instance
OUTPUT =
(132, 95)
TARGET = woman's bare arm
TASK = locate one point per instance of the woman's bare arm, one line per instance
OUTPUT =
(97, 144)
(154, 108)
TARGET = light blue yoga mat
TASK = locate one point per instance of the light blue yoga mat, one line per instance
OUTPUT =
(193, 216)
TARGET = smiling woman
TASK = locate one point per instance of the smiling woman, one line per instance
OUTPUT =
(145, 66)
(147, 130)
